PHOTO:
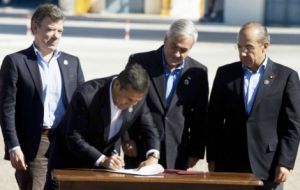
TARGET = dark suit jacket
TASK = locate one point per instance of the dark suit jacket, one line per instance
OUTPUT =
(21, 105)
(83, 137)
(268, 135)
(181, 123)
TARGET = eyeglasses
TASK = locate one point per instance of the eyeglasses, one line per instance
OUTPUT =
(246, 49)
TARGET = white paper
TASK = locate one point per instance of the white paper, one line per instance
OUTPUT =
(144, 171)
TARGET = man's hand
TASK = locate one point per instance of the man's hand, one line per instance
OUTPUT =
(113, 162)
(281, 174)
(211, 166)
(129, 148)
(17, 159)
(150, 160)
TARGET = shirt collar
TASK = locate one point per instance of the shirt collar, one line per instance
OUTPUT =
(166, 67)
(37, 52)
(260, 69)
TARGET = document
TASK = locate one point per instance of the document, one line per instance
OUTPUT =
(143, 171)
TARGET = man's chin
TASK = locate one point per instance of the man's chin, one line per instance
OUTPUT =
(51, 48)
(175, 63)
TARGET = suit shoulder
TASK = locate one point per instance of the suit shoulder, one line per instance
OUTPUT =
(229, 72)
(144, 54)
(17, 59)
(230, 67)
(194, 63)
(88, 91)
(72, 59)
(92, 86)
(20, 54)
(282, 68)
(68, 55)
(144, 57)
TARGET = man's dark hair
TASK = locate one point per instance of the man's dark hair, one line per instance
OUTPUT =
(47, 10)
(135, 76)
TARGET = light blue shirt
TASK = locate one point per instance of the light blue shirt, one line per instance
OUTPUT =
(171, 80)
(251, 83)
(52, 89)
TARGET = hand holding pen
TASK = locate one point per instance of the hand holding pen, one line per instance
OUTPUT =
(114, 161)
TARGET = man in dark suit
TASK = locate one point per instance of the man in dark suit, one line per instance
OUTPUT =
(36, 86)
(177, 98)
(101, 111)
(254, 113)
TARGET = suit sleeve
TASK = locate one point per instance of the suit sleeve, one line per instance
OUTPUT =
(149, 131)
(215, 117)
(8, 93)
(291, 133)
(76, 128)
(80, 76)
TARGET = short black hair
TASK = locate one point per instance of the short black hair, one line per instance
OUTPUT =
(134, 76)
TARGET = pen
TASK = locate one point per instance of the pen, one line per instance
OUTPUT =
(115, 152)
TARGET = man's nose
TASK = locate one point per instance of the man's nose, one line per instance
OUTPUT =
(57, 34)
(177, 53)
(243, 53)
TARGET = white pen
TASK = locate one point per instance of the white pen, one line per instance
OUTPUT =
(115, 152)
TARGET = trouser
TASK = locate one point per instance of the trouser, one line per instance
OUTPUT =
(50, 183)
(34, 177)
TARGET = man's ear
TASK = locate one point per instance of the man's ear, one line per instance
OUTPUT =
(34, 27)
(266, 46)
(117, 84)
(166, 38)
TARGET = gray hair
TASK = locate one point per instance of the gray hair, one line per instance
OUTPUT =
(183, 27)
(135, 76)
(263, 34)
(47, 10)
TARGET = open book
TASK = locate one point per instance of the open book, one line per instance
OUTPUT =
(144, 171)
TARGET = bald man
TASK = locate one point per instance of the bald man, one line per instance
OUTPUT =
(254, 113)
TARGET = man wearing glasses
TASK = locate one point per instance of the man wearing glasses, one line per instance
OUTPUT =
(254, 113)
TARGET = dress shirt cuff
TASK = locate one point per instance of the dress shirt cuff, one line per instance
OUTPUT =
(153, 152)
(14, 148)
(99, 160)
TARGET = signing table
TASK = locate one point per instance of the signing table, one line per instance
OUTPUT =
(92, 179)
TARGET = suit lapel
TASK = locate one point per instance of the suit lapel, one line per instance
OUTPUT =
(180, 82)
(105, 110)
(237, 86)
(156, 72)
(65, 75)
(33, 68)
(265, 84)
